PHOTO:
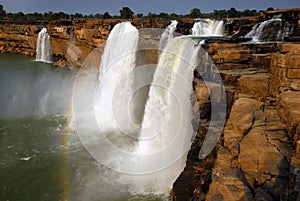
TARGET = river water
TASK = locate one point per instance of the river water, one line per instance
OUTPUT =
(42, 157)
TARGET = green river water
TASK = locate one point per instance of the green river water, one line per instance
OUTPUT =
(42, 157)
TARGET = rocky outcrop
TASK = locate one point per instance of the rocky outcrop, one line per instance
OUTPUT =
(258, 155)
(288, 25)
(73, 41)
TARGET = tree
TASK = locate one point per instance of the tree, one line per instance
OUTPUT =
(98, 15)
(219, 14)
(174, 15)
(20, 16)
(106, 15)
(91, 16)
(163, 15)
(232, 12)
(78, 15)
(2, 12)
(195, 13)
(151, 15)
(126, 13)
(139, 15)
(248, 12)
(270, 8)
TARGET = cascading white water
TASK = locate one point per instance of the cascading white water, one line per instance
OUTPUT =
(208, 27)
(167, 118)
(167, 35)
(117, 67)
(151, 154)
(43, 47)
(257, 30)
(167, 131)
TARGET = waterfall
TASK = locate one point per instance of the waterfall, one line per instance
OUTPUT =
(257, 30)
(208, 27)
(116, 79)
(43, 48)
(146, 157)
(167, 119)
(167, 35)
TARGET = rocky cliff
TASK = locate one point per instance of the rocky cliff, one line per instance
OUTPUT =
(72, 41)
(257, 156)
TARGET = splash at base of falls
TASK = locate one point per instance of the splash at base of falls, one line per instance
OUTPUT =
(43, 47)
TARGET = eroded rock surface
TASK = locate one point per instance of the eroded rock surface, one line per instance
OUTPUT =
(258, 154)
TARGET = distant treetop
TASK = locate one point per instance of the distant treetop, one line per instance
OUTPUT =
(125, 13)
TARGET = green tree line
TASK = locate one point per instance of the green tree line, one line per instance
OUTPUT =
(125, 13)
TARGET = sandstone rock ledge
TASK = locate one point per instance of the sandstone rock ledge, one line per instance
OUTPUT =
(258, 154)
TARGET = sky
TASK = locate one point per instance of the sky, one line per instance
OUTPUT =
(140, 6)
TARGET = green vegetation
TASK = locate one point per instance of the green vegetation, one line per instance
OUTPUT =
(85, 47)
(2, 12)
(171, 195)
(195, 13)
(125, 13)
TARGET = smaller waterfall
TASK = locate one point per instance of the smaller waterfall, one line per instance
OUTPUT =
(259, 32)
(208, 27)
(43, 48)
(167, 35)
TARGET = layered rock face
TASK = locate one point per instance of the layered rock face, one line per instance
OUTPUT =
(257, 156)
(72, 41)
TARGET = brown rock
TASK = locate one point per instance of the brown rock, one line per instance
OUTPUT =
(259, 156)
(231, 56)
(293, 48)
(288, 110)
(230, 66)
(256, 85)
(202, 93)
(222, 164)
(240, 120)
(294, 84)
(293, 61)
(249, 151)
(261, 195)
(293, 73)
(282, 60)
(233, 187)
(261, 61)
